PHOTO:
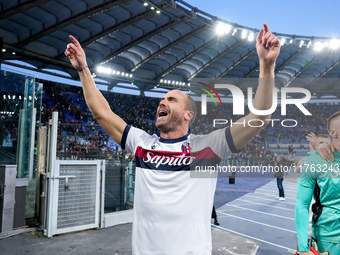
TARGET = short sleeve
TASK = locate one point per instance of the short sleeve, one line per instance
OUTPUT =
(220, 141)
(132, 138)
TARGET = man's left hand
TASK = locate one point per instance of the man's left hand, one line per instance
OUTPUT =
(267, 46)
(313, 140)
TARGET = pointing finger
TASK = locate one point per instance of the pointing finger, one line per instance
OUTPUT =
(266, 28)
(74, 40)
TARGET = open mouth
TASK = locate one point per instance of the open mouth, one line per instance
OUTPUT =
(162, 113)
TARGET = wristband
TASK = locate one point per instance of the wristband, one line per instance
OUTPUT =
(81, 69)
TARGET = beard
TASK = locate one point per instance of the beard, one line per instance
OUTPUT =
(172, 122)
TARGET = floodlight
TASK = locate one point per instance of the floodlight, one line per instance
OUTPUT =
(318, 46)
(244, 34)
(251, 37)
(219, 28)
(334, 44)
(283, 41)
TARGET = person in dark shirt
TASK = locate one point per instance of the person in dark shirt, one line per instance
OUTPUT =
(279, 173)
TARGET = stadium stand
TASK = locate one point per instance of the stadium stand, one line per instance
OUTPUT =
(273, 140)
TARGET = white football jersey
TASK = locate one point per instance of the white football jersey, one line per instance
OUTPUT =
(172, 209)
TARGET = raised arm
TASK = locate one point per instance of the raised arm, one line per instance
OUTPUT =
(96, 102)
(268, 49)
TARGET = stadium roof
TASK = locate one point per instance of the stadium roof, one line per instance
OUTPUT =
(158, 43)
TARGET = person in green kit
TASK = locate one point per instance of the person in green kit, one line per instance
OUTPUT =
(320, 177)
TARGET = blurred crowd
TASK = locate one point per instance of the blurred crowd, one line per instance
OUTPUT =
(79, 133)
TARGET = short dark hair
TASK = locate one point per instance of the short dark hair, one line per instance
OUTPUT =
(333, 116)
(191, 106)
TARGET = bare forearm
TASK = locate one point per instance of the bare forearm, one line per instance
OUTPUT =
(266, 69)
(262, 101)
(100, 108)
(93, 97)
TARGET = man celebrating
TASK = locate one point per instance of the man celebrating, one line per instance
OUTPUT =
(320, 177)
(171, 210)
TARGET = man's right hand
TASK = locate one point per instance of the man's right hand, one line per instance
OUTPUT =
(326, 152)
(76, 54)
